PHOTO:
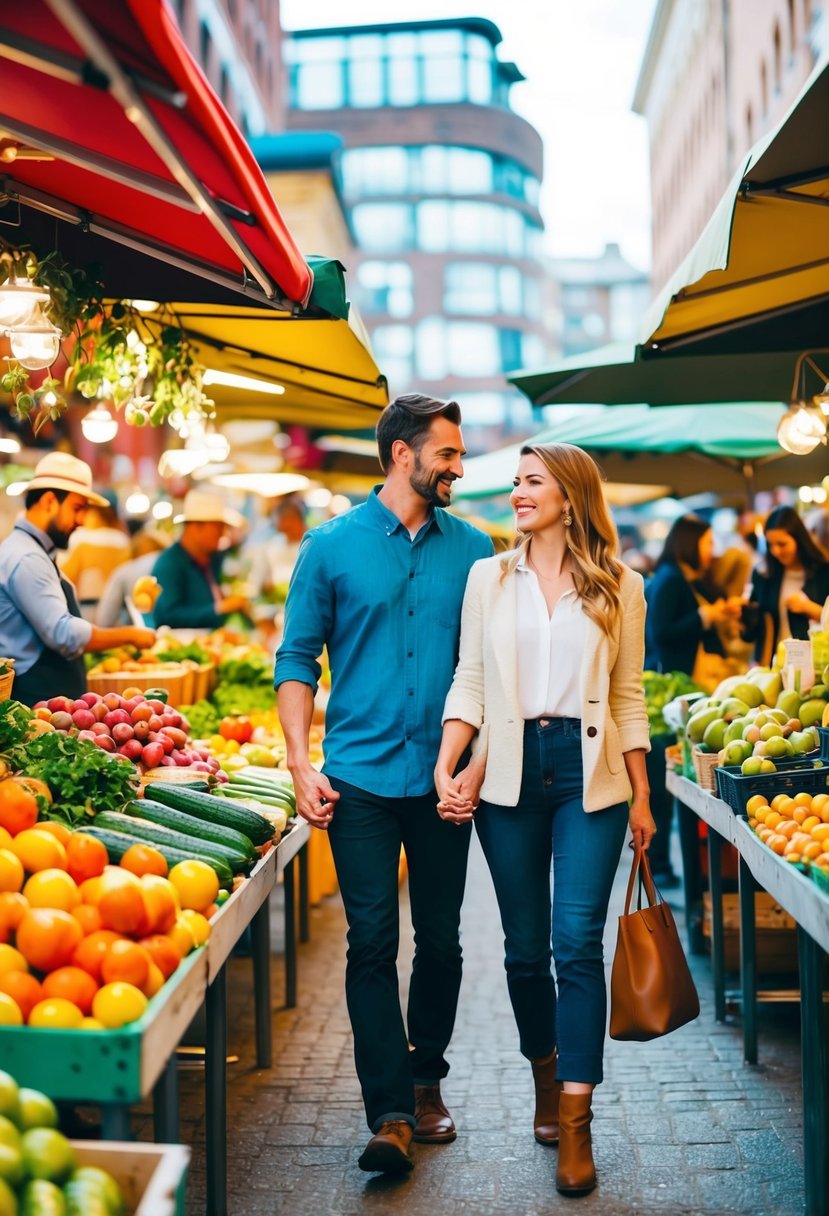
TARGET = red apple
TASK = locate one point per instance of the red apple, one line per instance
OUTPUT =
(178, 736)
(115, 716)
(40, 705)
(83, 719)
(152, 755)
(122, 732)
(132, 749)
(99, 728)
(181, 760)
(61, 720)
(141, 712)
(59, 704)
(91, 698)
(88, 735)
(155, 722)
(112, 700)
(141, 731)
(99, 711)
(167, 743)
(158, 707)
(106, 742)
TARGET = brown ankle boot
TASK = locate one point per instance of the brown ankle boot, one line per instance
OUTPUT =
(576, 1173)
(547, 1091)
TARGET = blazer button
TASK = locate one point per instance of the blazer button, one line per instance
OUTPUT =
(592, 732)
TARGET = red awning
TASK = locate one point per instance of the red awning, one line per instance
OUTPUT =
(143, 151)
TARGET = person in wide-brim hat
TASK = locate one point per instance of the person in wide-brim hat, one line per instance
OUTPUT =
(189, 572)
(40, 623)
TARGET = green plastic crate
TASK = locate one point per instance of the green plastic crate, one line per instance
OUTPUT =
(108, 1066)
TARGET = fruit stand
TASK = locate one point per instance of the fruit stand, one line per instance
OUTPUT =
(760, 868)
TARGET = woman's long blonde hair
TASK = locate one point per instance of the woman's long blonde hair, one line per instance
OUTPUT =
(591, 537)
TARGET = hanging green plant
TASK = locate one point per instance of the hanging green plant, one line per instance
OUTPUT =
(145, 366)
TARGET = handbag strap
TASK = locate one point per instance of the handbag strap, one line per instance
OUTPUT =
(641, 868)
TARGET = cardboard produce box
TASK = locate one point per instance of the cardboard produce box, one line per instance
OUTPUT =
(775, 931)
(152, 1176)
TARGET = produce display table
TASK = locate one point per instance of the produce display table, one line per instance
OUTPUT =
(800, 897)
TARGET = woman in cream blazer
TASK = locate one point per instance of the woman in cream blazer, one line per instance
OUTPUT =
(548, 689)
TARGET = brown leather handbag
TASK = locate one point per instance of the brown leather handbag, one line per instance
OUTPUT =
(651, 990)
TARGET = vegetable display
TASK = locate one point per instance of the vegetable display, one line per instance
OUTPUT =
(659, 689)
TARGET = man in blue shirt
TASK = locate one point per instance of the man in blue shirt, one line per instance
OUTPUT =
(381, 587)
(41, 626)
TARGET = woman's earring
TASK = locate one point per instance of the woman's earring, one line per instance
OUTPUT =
(566, 518)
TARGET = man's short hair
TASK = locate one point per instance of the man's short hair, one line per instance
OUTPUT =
(409, 418)
(33, 496)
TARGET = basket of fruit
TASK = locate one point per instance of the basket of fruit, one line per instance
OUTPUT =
(6, 678)
(787, 777)
(704, 765)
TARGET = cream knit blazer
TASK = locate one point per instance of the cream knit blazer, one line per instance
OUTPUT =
(484, 690)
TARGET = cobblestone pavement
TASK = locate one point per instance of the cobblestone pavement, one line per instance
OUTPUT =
(681, 1124)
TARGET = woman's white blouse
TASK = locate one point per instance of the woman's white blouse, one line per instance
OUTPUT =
(550, 649)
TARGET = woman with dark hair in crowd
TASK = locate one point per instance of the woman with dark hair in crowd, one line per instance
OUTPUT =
(791, 587)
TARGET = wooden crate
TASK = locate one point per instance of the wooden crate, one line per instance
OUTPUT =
(152, 1177)
(173, 678)
(775, 933)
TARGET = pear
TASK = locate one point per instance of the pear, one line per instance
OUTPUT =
(778, 715)
(698, 724)
(771, 730)
(779, 748)
(770, 683)
(819, 690)
(751, 766)
(732, 708)
(736, 752)
(749, 693)
(811, 712)
(725, 686)
(733, 731)
(767, 766)
(801, 741)
(825, 674)
(789, 702)
(714, 733)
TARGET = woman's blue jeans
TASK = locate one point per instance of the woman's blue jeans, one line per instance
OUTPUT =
(550, 825)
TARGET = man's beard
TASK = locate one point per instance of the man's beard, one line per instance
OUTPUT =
(428, 485)
(58, 537)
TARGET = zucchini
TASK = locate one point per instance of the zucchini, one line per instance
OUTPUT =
(212, 809)
(153, 833)
(117, 843)
(180, 821)
(268, 797)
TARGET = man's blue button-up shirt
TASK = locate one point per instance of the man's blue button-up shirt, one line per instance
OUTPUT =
(33, 610)
(388, 609)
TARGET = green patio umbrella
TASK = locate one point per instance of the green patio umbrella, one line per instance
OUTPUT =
(688, 448)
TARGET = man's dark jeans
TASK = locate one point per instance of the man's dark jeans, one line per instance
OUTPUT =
(366, 834)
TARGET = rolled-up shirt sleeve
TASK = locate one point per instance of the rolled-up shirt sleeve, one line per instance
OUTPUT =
(35, 588)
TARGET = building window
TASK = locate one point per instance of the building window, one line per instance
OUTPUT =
(383, 227)
(434, 169)
(457, 348)
(385, 288)
(473, 228)
(393, 346)
(483, 290)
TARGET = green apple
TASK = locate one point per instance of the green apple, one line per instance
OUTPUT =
(777, 747)
(819, 690)
(749, 693)
(734, 730)
(736, 751)
(811, 712)
(770, 730)
(752, 766)
(713, 735)
(778, 715)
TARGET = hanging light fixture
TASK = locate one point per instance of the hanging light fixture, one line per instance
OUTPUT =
(20, 300)
(36, 345)
(99, 426)
(801, 429)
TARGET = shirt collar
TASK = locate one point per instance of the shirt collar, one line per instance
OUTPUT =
(387, 519)
(43, 539)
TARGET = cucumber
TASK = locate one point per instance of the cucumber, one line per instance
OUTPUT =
(117, 843)
(268, 797)
(153, 833)
(180, 821)
(212, 809)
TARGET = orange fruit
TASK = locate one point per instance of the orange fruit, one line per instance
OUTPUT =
(127, 961)
(788, 828)
(86, 857)
(198, 925)
(89, 953)
(117, 1004)
(18, 806)
(88, 917)
(161, 903)
(72, 984)
(820, 806)
(91, 1024)
(196, 882)
(58, 830)
(13, 907)
(5, 838)
(11, 960)
(10, 1012)
(811, 821)
(23, 988)
(182, 936)
(154, 982)
(11, 871)
(773, 819)
(144, 859)
(122, 906)
(47, 938)
(163, 951)
(803, 799)
(55, 1013)
(776, 800)
(52, 889)
(39, 850)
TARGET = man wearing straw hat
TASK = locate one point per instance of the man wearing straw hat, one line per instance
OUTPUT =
(41, 626)
(189, 570)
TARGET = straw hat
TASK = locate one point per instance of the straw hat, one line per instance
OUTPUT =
(202, 508)
(60, 471)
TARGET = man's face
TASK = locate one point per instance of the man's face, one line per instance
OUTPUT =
(437, 463)
(64, 518)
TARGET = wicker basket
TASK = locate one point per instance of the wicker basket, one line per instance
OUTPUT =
(704, 765)
(6, 682)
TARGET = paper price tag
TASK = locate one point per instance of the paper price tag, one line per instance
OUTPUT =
(798, 660)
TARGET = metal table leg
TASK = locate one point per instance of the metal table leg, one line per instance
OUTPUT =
(290, 935)
(165, 1105)
(260, 937)
(748, 963)
(691, 879)
(814, 1050)
(115, 1121)
(304, 907)
(215, 1082)
(715, 886)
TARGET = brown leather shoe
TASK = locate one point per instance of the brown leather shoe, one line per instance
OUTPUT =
(387, 1152)
(434, 1123)
(576, 1173)
(547, 1093)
